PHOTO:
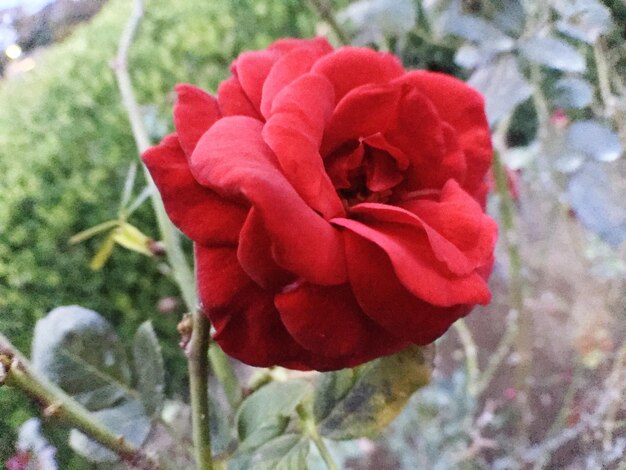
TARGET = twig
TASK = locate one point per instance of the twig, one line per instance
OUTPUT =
(198, 346)
(325, 12)
(17, 372)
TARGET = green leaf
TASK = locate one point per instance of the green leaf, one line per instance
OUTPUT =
(380, 391)
(103, 253)
(149, 369)
(265, 414)
(79, 351)
(132, 238)
(128, 420)
(90, 232)
(331, 388)
(286, 452)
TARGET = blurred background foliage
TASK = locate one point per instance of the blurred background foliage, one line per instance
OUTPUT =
(553, 77)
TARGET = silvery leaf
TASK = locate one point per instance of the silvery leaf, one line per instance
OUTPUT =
(598, 201)
(573, 93)
(372, 20)
(502, 85)
(553, 53)
(594, 139)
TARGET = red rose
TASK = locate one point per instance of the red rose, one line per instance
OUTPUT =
(336, 203)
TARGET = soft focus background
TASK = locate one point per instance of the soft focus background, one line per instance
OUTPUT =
(535, 380)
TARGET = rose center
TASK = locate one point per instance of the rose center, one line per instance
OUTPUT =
(364, 173)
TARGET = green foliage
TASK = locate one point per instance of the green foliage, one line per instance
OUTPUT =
(351, 404)
(149, 369)
(79, 351)
(265, 414)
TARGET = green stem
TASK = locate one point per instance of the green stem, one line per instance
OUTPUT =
(198, 385)
(325, 12)
(17, 372)
(310, 429)
(519, 331)
(224, 373)
(471, 355)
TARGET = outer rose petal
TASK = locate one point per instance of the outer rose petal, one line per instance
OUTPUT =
(459, 219)
(328, 321)
(464, 109)
(247, 325)
(233, 158)
(387, 302)
(198, 212)
(254, 255)
(251, 69)
(294, 132)
(416, 266)
(351, 67)
(194, 112)
(233, 101)
(288, 68)
(319, 45)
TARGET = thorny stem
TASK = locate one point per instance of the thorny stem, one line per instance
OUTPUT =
(17, 372)
(309, 428)
(325, 12)
(197, 359)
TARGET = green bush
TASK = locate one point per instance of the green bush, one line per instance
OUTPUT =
(65, 148)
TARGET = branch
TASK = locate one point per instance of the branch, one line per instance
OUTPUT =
(16, 371)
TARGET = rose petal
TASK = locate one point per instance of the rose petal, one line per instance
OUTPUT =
(418, 132)
(254, 254)
(329, 321)
(198, 212)
(233, 101)
(351, 67)
(233, 158)
(464, 109)
(416, 266)
(288, 68)
(364, 111)
(251, 69)
(387, 302)
(294, 132)
(460, 220)
(382, 172)
(247, 325)
(318, 45)
(445, 251)
(194, 112)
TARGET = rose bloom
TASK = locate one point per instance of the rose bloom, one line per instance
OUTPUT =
(335, 200)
